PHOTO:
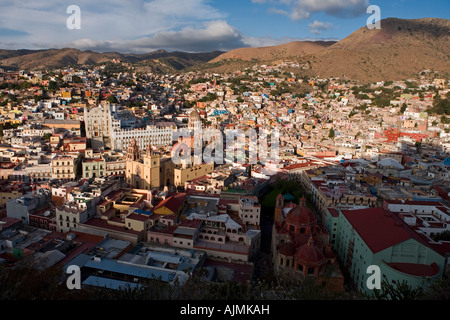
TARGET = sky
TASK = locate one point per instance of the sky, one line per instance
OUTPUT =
(139, 26)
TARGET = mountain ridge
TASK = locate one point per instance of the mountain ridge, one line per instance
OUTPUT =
(399, 50)
(59, 58)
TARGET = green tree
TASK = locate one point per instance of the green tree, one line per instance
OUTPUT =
(112, 99)
(400, 291)
(331, 133)
(76, 79)
(47, 136)
(403, 108)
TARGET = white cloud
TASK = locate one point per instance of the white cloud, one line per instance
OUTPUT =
(341, 8)
(302, 9)
(108, 21)
(210, 36)
(278, 11)
(268, 42)
(317, 27)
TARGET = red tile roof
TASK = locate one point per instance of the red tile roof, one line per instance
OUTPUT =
(415, 269)
(334, 213)
(172, 203)
(377, 228)
(138, 217)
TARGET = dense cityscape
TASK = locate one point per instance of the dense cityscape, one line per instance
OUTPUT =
(88, 177)
(231, 171)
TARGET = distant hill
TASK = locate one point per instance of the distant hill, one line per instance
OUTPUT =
(399, 50)
(284, 51)
(160, 60)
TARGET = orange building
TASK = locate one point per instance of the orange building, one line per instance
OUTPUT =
(301, 248)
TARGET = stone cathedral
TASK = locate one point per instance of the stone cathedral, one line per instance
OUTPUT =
(142, 169)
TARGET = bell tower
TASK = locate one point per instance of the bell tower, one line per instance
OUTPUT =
(133, 153)
(279, 204)
(151, 168)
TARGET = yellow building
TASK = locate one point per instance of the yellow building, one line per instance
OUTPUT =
(173, 205)
(7, 194)
(64, 167)
(183, 174)
(142, 172)
(66, 94)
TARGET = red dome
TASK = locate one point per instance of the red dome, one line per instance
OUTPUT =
(301, 216)
(310, 254)
(300, 239)
(286, 249)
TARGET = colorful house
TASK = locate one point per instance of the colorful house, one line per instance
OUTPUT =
(173, 205)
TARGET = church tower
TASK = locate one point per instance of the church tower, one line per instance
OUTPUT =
(133, 153)
(278, 207)
(142, 172)
(151, 163)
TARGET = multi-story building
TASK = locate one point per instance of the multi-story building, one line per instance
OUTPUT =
(98, 123)
(376, 237)
(12, 190)
(250, 210)
(153, 135)
(106, 127)
(219, 236)
(21, 207)
(93, 168)
(64, 167)
(183, 173)
(70, 216)
(39, 172)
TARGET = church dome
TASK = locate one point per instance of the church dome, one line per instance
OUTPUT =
(301, 215)
(286, 249)
(194, 116)
(300, 239)
(310, 254)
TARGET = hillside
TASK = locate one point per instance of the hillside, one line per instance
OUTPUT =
(397, 51)
(284, 51)
(159, 60)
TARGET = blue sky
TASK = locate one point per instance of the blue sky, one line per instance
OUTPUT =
(193, 25)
